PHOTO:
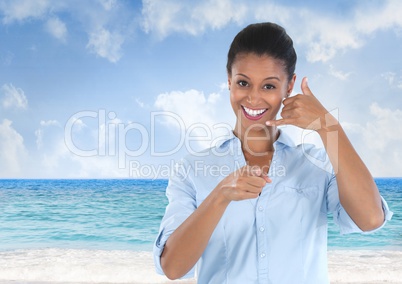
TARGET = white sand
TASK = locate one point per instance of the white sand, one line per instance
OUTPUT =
(90, 266)
(365, 266)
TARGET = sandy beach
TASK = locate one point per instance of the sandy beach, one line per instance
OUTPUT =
(365, 266)
(98, 266)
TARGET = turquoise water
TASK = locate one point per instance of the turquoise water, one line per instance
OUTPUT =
(389, 236)
(125, 215)
(90, 214)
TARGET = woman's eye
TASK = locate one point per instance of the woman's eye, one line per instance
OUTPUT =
(242, 83)
(269, 87)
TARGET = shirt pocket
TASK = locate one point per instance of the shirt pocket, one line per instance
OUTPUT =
(308, 202)
(296, 211)
(308, 194)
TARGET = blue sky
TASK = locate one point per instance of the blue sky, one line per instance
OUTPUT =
(109, 88)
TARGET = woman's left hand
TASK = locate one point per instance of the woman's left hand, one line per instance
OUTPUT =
(303, 110)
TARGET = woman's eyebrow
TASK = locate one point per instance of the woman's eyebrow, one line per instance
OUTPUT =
(268, 78)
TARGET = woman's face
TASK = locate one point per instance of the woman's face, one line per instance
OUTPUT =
(258, 84)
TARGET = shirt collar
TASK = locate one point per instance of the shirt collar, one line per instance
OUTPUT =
(283, 141)
(225, 139)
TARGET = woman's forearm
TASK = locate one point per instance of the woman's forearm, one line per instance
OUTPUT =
(187, 243)
(358, 192)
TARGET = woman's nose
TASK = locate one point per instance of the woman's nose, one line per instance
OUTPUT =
(253, 97)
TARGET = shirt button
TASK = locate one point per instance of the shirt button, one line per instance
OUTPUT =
(262, 255)
(262, 229)
(260, 208)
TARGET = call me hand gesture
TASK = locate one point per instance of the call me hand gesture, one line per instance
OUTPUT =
(305, 111)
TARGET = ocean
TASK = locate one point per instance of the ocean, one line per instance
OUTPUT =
(68, 225)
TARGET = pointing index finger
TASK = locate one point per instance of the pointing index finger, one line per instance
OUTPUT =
(258, 172)
(278, 122)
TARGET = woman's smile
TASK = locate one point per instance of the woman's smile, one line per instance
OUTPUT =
(253, 114)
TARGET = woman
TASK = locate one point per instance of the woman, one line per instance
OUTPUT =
(264, 218)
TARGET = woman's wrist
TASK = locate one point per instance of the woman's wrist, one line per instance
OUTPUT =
(218, 196)
(328, 124)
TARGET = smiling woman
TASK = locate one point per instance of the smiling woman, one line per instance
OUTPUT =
(258, 85)
(253, 226)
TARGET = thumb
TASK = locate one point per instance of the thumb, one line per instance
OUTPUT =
(305, 88)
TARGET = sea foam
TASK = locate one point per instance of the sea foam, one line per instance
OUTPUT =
(78, 266)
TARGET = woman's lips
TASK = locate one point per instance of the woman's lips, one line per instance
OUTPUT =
(253, 114)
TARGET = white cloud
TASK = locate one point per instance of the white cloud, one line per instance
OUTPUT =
(382, 16)
(100, 167)
(192, 106)
(393, 79)
(166, 17)
(12, 151)
(379, 140)
(108, 4)
(13, 97)
(329, 37)
(385, 129)
(55, 159)
(324, 35)
(40, 131)
(217, 14)
(60, 162)
(271, 12)
(19, 10)
(389, 77)
(338, 74)
(56, 28)
(211, 113)
(106, 44)
(93, 16)
(39, 138)
(49, 123)
(78, 124)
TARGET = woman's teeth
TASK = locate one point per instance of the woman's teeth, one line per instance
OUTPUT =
(254, 112)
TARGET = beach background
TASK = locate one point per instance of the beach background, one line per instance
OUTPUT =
(99, 98)
(101, 231)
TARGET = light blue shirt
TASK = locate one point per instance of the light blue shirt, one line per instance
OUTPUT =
(277, 238)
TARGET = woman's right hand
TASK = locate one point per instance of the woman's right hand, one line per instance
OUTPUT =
(188, 242)
(245, 183)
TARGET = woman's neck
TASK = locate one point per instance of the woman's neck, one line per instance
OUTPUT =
(259, 142)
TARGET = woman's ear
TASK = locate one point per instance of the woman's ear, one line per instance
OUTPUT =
(291, 84)
(229, 82)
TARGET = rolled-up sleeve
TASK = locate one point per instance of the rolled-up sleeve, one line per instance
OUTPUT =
(182, 203)
(342, 218)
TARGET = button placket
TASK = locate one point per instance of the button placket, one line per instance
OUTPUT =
(261, 234)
